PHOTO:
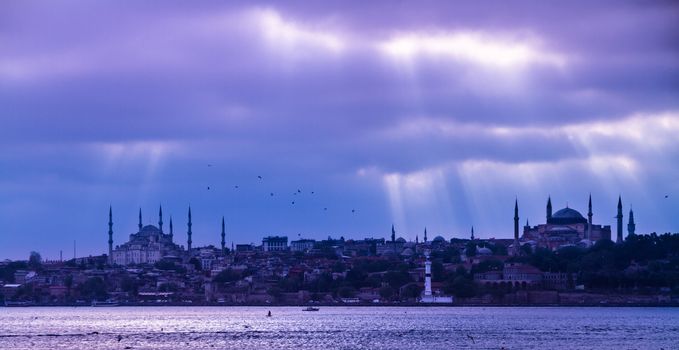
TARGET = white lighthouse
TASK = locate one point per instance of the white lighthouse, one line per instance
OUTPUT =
(427, 277)
(427, 295)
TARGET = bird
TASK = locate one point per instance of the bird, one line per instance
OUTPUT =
(271, 194)
(120, 337)
(208, 187)
(299, 191)
(666, 196)
(209, 165)
(325, 208)
(293, 202)
(353, 210)
(312, 192)
(259, 177)
(472, 338)
(236, 186)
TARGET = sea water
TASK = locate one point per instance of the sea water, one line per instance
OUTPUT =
(409, 328)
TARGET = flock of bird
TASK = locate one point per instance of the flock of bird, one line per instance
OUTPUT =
(271, 194)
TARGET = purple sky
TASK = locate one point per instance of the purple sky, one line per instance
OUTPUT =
(415, 113)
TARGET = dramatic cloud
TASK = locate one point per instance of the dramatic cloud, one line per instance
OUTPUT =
(430, 113)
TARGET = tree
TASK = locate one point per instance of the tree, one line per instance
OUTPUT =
(387, 292)
(94, 289)
(35, 261)
(346, 292)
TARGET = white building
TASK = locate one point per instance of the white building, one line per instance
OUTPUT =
(302, 245)
(274, 243)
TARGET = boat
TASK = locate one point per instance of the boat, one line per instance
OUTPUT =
(106, 303)
(311, 308)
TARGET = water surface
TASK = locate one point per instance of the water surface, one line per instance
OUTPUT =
(338, 328)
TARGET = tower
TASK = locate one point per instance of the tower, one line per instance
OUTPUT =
(631, 226)
(189, 232)
(425, 235)
(140, 226)
(160, 219)
(393, 233)
(589, 218)
(472, 238)
(427, 276)
(619, 217)
(223, 237)
(516, 222)
(549, 208)
(110, 235)
(417, 239)
(171, 229)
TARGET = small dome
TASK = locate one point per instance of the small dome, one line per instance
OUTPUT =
(484, 251)
(401, 240)
(439, 239)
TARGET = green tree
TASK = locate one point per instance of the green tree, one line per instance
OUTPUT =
(35, 261)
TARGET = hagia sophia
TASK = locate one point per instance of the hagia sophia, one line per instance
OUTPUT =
(568, 227)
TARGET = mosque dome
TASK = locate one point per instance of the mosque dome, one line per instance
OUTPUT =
(401, 240)
(567, 216)
(149, 229)
(439, 239)
(484, 251)
(407, 252)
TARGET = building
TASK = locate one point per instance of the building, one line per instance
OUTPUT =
(147, 246)
(302, 245)
(275, 243)
(562, 228)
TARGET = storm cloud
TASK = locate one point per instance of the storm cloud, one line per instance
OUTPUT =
(434, 114)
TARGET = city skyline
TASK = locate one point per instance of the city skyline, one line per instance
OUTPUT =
(431, 114)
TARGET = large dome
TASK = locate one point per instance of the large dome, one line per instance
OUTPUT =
(567, 216)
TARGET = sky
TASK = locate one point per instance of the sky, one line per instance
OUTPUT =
(435, 114)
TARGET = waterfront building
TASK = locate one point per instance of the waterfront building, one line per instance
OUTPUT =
(564, 227)
(275, 243)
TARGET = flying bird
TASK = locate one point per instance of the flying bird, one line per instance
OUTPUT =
(325, 208)
(666, 196)
(299, 191)
(209, 165)
(236, 186)
(271, 194)
(353, 210)
(208, 188)
(312, 192)
(293, 202)
(259, 177)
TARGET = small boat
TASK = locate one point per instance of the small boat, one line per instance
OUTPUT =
(269, 314)
(311, 308)
(107, 303)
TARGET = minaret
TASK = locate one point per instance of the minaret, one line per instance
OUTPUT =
(619, 217)
(189, 232)
(631, 226)
(393, 233)
(140, 226)
(425, 235)
(171, 229)
(160, 219)
(427, 276)
(516, 223)
(417, 239)
(472, 233)
(110, 235)
(223, 237)
(549, 208)
(589, 219)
